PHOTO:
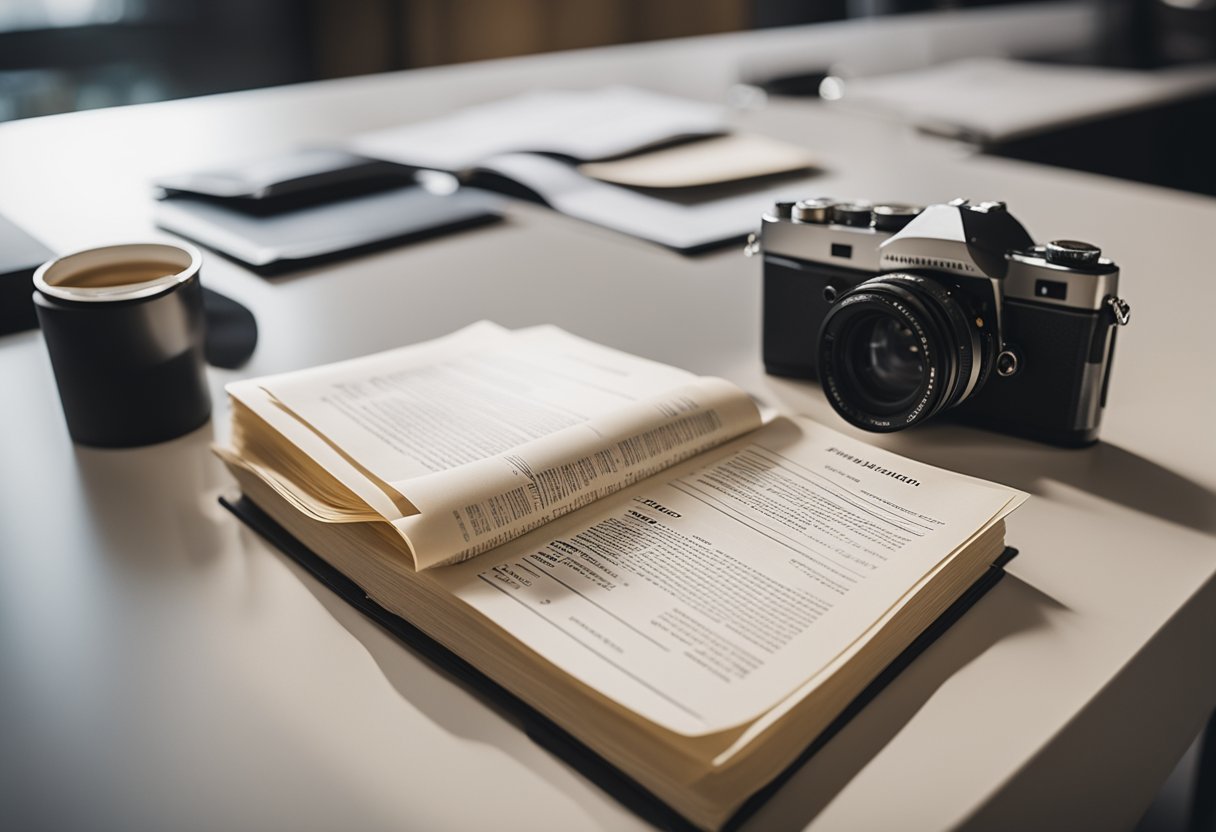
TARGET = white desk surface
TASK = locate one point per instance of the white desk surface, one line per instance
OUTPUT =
(162, 668)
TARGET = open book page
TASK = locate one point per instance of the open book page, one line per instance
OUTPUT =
(254, 394)
(473, 508)
(704, 597)
(468, 441)
(582, 124)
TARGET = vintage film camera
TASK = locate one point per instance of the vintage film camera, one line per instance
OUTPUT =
(903, 313)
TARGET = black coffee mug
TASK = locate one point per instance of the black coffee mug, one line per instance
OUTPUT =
(124, 328)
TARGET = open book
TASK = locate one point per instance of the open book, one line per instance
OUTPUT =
(690, 587)
(565, 148)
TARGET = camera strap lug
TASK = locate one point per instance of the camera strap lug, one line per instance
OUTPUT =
(753, 246)
(1122, 312)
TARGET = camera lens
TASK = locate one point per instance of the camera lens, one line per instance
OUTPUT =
(897, 349)
(888, 367)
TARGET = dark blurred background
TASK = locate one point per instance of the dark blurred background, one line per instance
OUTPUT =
(62, 55)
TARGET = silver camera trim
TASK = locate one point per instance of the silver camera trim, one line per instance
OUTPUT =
(936, 241)
(938, 244)
(1084, 290)
(812, 241)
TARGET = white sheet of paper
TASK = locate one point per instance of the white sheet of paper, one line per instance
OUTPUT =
(677, 225)
(701, 600)
(582, 124)
(992, 99)
(468, 441)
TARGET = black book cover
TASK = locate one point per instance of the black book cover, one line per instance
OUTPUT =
(552, 737)
(20, 256)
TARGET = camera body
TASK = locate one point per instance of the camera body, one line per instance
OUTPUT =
(903, 313)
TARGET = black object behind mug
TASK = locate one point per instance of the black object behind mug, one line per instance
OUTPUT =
(20, 255)
(232, 331)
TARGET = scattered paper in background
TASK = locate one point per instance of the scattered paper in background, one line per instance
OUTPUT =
(710, 161)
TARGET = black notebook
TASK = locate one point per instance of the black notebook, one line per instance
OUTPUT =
(298, 237)
(549, 735)
(20, 256)
(311, 206)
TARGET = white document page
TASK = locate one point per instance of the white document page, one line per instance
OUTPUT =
(582, 124)
(255, 394)
(993, 99)
(478, 506)
(702, 600)
(477, 438)
(676, 224)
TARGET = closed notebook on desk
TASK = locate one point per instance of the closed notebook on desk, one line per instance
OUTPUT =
(689, 587)
(20, 255)
(310, 206)
(313, 234)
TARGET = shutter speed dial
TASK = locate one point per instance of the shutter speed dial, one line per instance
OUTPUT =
(1071, 253)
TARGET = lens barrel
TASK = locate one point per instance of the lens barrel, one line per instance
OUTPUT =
(898, 349)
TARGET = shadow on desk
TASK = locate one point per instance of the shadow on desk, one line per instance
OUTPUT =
(1010, 608)
(1106, 765)
(1103, 470)
(154, 507)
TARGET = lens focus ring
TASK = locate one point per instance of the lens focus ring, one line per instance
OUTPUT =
(896, 350)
